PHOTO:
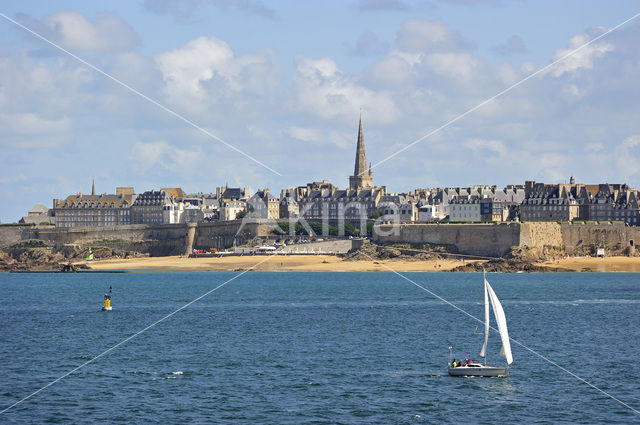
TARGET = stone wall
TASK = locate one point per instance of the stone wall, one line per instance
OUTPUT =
(221, 235)
(491, 240)
(614, 236)
(540, 234)
(495, 240)
(165, 239)
(13, 234)
(169, 239)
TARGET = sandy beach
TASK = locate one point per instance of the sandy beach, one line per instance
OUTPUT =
(594, 264)
(331, 263)
(274, 263)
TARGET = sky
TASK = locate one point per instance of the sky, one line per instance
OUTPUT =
(202, 93)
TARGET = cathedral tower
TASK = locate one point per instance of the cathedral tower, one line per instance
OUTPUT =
(361, 177)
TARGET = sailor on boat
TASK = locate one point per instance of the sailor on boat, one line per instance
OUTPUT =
(474, 368)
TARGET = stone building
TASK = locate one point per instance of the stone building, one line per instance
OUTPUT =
(233, 201)
(230, 208)
(614, 202)
(264, 205)
(398, 208)
(474, 203)
(465, 209)
(433, 211)
(39, 214)
(576, 201)
(289, 207)
(95, 210)
(550, 202)
(153, 207)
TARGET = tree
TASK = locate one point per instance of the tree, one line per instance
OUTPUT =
(375, 214)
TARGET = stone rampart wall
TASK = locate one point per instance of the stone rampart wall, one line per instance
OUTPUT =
(614, 236)
(496, 240)
(540, 234)
(492, 240)
(13, 234)
(474, 239)
(221, 234)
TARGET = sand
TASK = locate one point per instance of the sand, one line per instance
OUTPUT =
(333, 263)
(274, 263)
(594, 264)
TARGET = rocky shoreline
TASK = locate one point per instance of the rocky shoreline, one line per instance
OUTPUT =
(38, 255)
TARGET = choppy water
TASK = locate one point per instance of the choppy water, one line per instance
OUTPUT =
(352, 348)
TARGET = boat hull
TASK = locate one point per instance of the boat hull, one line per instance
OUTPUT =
(484, 371)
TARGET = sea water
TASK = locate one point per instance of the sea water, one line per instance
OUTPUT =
(291, 348)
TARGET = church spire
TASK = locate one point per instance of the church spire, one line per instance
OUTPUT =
(361, 157)
(360, 178)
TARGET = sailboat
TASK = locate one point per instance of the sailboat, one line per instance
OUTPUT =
(474, 368)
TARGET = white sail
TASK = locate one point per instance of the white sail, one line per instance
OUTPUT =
(502, 324)
(483, 351)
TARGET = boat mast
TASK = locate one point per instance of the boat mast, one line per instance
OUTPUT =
(486, 317)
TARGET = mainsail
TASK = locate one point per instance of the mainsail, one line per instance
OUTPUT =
(502, 323)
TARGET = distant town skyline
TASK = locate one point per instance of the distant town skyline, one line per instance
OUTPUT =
(286, 83)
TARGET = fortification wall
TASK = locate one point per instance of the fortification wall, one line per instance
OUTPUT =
(221, 234)
(491, 240)
(168, 239)
(81, 235)
(540, 234)
(13, 234)
(614, 236)
(474, 239)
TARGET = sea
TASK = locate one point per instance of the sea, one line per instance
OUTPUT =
(315, 348)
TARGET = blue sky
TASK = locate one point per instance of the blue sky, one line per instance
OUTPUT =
(285, 82)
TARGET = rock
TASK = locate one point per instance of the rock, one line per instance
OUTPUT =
(503, 265)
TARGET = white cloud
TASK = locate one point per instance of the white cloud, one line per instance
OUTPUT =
(485, 147)
(321, 89)
(583, 58)
(30, 130)
(626, 155)
(161, 154)
(206, 71)
(319, 137)
(30, 123)
(74, 31)
(422, 35)
(461, 66)
(393, 71)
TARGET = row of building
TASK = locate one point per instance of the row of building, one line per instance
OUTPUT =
(361, 201)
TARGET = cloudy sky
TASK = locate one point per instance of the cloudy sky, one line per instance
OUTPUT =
(284, 83)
